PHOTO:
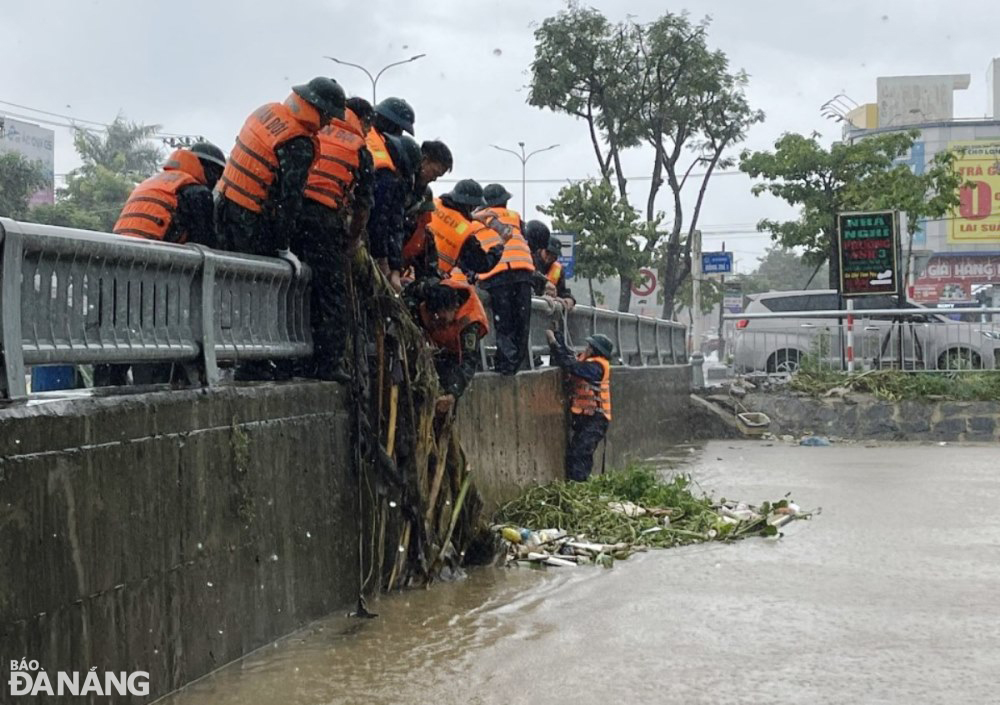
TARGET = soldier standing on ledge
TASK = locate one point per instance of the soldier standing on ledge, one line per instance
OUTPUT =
(589, 377)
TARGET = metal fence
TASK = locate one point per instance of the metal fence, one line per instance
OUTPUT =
(639, 340)
(73, 296)
(76, 297)
(911, 339)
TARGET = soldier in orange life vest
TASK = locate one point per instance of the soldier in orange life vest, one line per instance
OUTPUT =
(510, 282)
(454, 319)
(455, 232)
(338, 196)
(420, 257)
(589, 377)
(551, 279)
(176, 205)
(260, 193)
(396, 158)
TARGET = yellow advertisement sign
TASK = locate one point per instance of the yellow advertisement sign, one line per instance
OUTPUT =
(976, 220)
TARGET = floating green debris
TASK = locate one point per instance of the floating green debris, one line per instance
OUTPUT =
(614, 515)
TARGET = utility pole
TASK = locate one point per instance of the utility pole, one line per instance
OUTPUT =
(722, 309)
(524, 169)
(374, 78)
(696, 276)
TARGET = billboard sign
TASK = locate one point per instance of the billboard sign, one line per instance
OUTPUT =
(716, 262)
(868, 246)
(948, 277)
(34, 143)
(976, 220)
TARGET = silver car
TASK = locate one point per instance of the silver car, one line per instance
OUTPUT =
(917, 341)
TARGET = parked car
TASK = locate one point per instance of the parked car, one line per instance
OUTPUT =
(928, 341)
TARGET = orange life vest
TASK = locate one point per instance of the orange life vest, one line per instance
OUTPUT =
(416, 244)
(252, 165)
(507, 225)
(554, 273)
(589, 398)
(149, 210)
(380, 153)
(337, 167)
(450, 230)
(470, 313)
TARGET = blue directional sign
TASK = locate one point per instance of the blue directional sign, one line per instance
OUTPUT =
(568, 257)
(716, 262)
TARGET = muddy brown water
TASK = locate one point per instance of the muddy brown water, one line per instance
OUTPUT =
(889, 596)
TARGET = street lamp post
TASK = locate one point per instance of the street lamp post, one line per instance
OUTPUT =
(374, 79)
(524, 168)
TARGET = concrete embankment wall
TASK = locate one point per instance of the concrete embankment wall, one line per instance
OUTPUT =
(864, 417)
(515, 430)
(174, 532)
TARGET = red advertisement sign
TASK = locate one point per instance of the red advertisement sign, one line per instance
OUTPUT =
(952, 277)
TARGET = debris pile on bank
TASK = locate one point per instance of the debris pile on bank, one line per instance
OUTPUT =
(612, 516)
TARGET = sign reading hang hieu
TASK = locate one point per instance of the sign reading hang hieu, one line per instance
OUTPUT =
(868, 244)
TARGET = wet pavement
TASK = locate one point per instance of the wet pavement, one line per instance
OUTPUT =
(889, 596)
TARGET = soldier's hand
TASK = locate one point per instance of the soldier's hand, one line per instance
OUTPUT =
(395, 282)
(550, 335)
(290, 257)
(444, 404)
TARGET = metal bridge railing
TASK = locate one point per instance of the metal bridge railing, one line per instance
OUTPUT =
(639, 340)
(74, 296)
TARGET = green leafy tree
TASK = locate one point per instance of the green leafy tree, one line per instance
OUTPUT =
(113, 163)
(781, 269)
(609, 232)
(20, 178)
(711, 296)
(859, 176)
(654, 86)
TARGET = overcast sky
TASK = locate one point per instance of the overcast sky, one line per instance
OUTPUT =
(200, 66)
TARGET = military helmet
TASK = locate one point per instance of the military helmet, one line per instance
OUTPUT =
(601, 344)
(325, 95)
(537, 234)
(467, 192)
(208, 152)
(408, 151)
(496, 195)
(398, 112)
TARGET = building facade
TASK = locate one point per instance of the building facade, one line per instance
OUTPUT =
(956, 258)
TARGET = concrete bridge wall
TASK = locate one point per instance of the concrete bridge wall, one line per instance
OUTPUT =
(174, 532)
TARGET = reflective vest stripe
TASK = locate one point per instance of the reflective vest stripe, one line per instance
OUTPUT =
(320, 191)
(555, 273)
(269, 165)
(149, 199)
(251, 175)
(147, 216)
(229, 184)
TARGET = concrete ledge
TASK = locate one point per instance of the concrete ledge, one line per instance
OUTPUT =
(174, 532)
(859, 416)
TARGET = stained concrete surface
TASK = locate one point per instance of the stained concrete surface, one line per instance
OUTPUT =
(888, 596)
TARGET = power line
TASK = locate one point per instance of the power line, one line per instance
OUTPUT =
(74, 122)
(723, 172)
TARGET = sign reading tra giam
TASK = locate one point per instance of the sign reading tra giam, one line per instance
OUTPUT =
(868, 245)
